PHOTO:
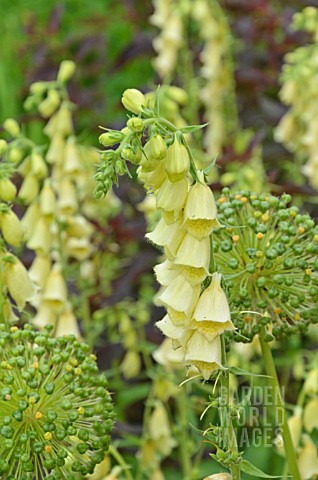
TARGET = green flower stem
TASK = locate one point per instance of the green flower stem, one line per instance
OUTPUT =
(226, 420)
(185, 457)
(271, 371)
(119, 459)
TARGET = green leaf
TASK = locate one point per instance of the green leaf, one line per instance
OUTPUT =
(241, 371)
(192, 128)
(250, 469)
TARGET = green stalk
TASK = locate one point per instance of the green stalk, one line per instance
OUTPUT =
(226, 420)
(270, 368)
(119, 459)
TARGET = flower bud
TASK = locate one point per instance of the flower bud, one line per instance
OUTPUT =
(7, 190)
(128, 153)
(66, 71)
(158, 147)
(38, 88)
(19, 283)
(135, 124)
(55, 292)
(48, 106)
(3, 147)
(40, 237)
(110, 138)
(133, 100)
(12, 127)
(29, 189)
(15, 154)
(72, 160)
(12, 230)
(38, 165)
(56, 151)
(131, 364)
(177, 94)
(177, 162)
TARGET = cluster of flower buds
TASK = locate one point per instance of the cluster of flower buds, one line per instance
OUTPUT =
(268, 253)
(56, 413)
(195, 317)
(297, 128)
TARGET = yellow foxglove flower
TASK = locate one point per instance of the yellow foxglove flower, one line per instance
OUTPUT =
(72, 160)
(148, 162)
(7, 190)
(212, 313)
(29, 189)
(64, 122)
(171, 197)
(177, 162)
(204, 355)
(44, 316)
(311, 415)
(194, 252)
(66, 324)
(169, 357)
(179, 295)
(40, 240)
(79, 248)
(30, 218)
(160, 430)
(67, 201)
(56, 151)
(169, 329)
(311, 382)
(47, 201)
(131, 364)
(52, 126)
(167, 236)
(55, 292)
(79, 227)
(101, 470)
(19, 283)
(308, 459)
(200, 214)
(158, 147)
(40, 270)
(166, 272)
(133, 100)
(12, 127)
(152, 180)
(38, 165)
(12, 229)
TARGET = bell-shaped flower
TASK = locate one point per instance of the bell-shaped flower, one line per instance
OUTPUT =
(166, 272)
(211, 316)
(67, 324)
(44, 316)
(47, 201)
(40, 270)
(55, 292)
(177, 161)
(67, 201)
(31, 218)
(41, 239)
(311, 415)
(19, 284)
(72, 160)
(160, 429)
(154, 179)
(169, 329)
(29, 189)
(56, 151)
(79, 248)
(12, 229)
(168, 356)
(179, 295)
(200, 213)
(308, 459)
(171, 196)
(169, 236)
(204, 355)
(194, 252)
